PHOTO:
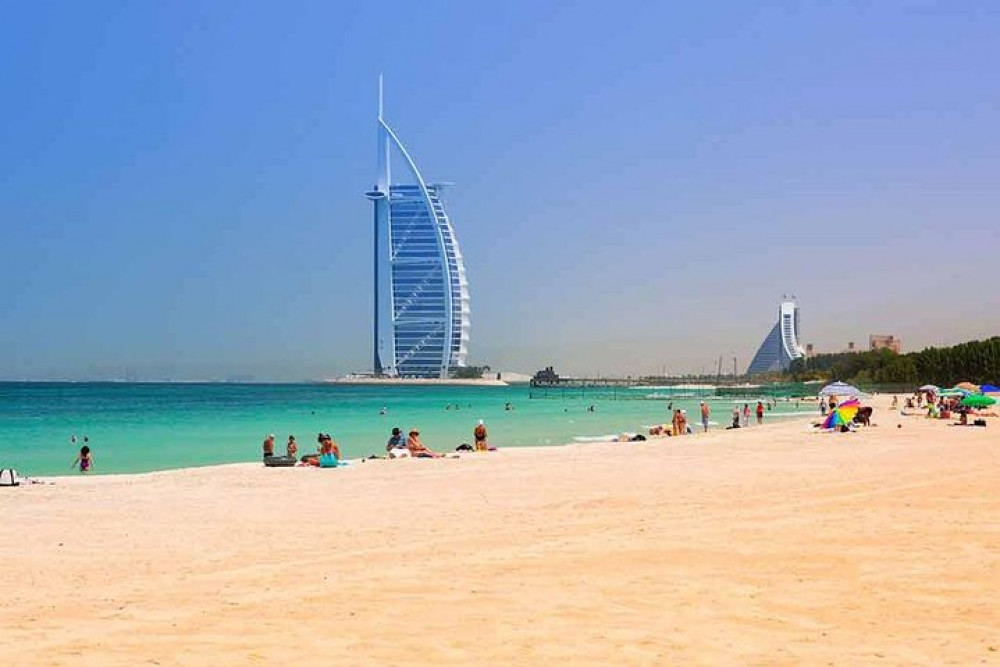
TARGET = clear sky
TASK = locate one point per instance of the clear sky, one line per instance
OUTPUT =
(637, 184)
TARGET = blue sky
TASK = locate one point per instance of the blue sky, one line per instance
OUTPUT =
(637, 184)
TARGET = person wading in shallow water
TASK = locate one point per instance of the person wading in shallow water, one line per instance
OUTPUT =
(85, 459)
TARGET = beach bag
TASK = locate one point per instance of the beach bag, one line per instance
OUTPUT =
(8, 477)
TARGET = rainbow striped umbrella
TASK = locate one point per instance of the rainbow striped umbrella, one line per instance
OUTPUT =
(843, 414)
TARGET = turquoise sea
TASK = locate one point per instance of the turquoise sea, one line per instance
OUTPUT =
(145, 427)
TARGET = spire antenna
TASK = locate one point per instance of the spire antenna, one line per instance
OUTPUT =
(380, 95)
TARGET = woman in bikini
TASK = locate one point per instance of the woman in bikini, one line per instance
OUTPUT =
(419, 449)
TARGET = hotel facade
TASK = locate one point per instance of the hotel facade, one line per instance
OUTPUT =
(421, 319)
(781, 345)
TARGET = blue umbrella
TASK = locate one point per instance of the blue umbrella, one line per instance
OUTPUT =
(989, 389)
(840, 389)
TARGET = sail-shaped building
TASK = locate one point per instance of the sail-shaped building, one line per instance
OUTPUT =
(781, 345)
(421, 327)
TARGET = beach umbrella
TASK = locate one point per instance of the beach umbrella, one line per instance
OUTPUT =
(842, 414)
(931, 388)
(978, 401)
(967, 386)
(989, 389)
(840, 389)
(954, 391)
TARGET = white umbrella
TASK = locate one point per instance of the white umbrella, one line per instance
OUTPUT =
(840, 389)
(931, 388)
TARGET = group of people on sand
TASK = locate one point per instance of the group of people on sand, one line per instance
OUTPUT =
(741, 419)
(942, 407)
(679, 422)
(397, 447)
(328, 453)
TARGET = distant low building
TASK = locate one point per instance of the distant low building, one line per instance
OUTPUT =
(544, 377)
(880, 342)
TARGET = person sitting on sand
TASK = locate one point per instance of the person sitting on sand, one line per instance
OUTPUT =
(395, 446)
(479, 434)
(329, 453)
(269, 446)
(329, 447)
(395, 440)
(419, 449)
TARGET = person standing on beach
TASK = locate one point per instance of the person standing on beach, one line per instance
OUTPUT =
(479, 434)
(746, 415)
(292, 448)
(760, 413)
(682, 422)
(269, 446)
(736, 416)
(704, 416)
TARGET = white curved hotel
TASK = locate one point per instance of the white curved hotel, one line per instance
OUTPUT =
(781, 345)
(421, 293)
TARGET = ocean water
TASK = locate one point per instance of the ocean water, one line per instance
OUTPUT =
(146, 427)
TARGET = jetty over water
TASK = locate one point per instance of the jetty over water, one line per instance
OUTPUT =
(546, 383)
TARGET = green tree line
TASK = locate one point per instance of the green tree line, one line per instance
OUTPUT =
(975, 361)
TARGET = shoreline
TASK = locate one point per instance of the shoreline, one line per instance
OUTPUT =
(772, 421)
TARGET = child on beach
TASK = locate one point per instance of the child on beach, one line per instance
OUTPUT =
(85, 460)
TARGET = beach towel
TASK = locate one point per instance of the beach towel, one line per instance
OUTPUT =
(9, 477)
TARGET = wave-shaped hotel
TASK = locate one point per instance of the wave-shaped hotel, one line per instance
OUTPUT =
(421, 327)
(781, 345)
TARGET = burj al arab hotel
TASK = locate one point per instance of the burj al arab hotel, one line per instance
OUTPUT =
(421, 327)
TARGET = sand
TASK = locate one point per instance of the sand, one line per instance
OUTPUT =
(770, 545)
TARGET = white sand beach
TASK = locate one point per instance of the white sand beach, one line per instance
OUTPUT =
(769, 545)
